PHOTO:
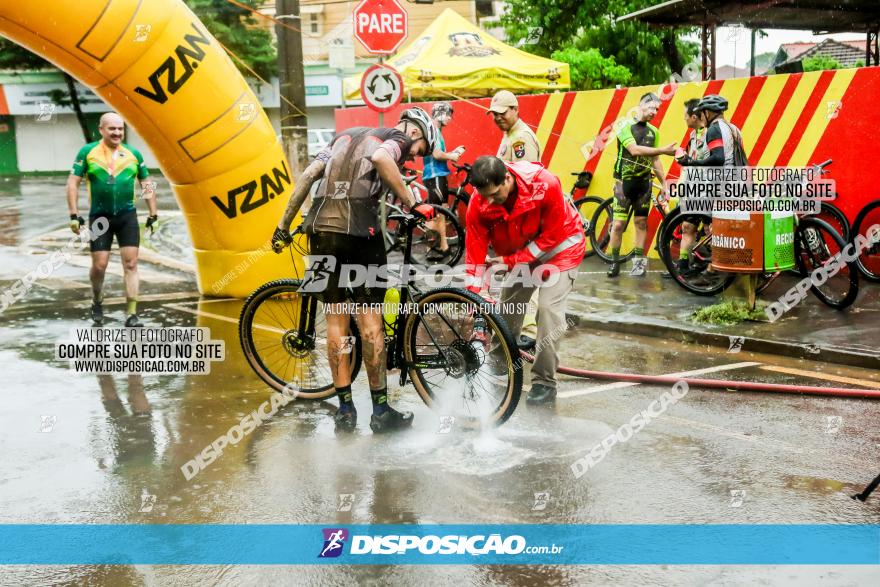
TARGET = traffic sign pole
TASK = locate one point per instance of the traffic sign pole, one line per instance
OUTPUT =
(381, 114)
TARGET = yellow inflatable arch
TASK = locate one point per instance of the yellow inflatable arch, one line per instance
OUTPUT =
(156, 64)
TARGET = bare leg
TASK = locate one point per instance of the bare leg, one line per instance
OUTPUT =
(97, 272)
(641, 223)
(616, 238)
(688, 234)
(130, 271)
(337, 330)
(372, 332)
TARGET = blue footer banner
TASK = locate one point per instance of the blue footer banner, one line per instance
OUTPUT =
(206, 544)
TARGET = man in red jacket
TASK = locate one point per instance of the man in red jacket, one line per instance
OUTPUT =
(520, 211)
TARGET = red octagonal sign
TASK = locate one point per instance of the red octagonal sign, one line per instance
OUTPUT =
(380, 25)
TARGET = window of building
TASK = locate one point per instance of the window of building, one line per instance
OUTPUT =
(485, 8)
(314, 24)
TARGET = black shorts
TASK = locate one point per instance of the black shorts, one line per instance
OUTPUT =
(632, 193)
(322, 277)
(438, 190)
(123, 226)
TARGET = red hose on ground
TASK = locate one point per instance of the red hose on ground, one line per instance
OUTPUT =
(717, 383)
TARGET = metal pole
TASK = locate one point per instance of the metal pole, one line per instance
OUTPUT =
(714, 32)
(752, 60)
(704, 53)
(291, 86)
(381, 114)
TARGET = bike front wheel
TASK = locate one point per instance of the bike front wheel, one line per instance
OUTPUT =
(869, 256)
(697, 279)
(283, 335)
(586, 208)
(600, 233)
(461, 357)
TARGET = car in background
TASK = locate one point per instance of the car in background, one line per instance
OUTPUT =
(318, 139)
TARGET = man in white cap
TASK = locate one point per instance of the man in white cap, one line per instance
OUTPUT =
(519, 143)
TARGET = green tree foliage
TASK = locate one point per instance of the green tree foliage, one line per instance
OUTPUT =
(591, 71)
(16, 57)
(241, 31)
(820, 62)
(650, 55)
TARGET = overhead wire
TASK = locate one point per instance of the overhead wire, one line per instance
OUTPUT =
(558, 135)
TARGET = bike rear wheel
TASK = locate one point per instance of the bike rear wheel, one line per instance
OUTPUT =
(283, 335)
(426, 240)
(835, 218)
(462, 358)
(697, 279)
(816, 244)
(587, 207)
(869, 258)
(600, 234)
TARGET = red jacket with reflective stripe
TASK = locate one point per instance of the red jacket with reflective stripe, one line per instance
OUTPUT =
(542, 227)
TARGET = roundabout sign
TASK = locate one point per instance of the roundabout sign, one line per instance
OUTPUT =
(381, 87)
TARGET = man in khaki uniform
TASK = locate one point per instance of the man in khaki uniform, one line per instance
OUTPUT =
(519, 143)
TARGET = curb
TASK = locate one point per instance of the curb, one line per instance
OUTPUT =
(656, 329)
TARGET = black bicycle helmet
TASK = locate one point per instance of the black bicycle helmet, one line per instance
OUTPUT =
(713, 103)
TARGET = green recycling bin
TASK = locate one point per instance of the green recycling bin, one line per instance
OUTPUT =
(778, 240)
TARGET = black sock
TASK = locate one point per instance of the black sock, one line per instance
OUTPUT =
(380, 400)
(615, 254)
(344, 395)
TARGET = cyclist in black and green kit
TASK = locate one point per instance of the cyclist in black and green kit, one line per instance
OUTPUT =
(111, 168)
(638, 153)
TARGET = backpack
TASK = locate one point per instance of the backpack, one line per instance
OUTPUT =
(740, 159)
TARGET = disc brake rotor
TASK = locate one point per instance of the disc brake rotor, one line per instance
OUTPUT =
(462, 359)
(297, 345)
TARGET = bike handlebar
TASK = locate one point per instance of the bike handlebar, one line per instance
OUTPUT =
(824, 164)
(409, 220)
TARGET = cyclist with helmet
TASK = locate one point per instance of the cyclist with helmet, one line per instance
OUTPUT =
(725, 146)
(723, 139)
(698, 150)
(343, 226)
(435, 175)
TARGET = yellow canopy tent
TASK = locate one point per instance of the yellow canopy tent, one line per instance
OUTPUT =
(452, 57)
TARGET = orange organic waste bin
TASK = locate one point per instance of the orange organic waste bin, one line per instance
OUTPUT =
(738, 241)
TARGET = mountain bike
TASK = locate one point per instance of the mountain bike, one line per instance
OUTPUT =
(834, 229)
(603, 219)
(450, 343)
(425, 239)
(815, 244)
(869, 258)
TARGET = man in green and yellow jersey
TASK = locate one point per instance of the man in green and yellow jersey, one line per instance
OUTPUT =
(112, 169)
(638, 155)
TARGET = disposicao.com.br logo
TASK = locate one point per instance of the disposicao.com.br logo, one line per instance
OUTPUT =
(403, 544)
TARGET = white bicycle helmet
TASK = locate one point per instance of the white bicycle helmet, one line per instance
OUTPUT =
(421, 119)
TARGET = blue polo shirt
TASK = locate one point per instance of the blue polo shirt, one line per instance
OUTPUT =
(434, 168)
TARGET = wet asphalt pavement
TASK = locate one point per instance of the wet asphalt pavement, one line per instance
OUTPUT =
(108, 449)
